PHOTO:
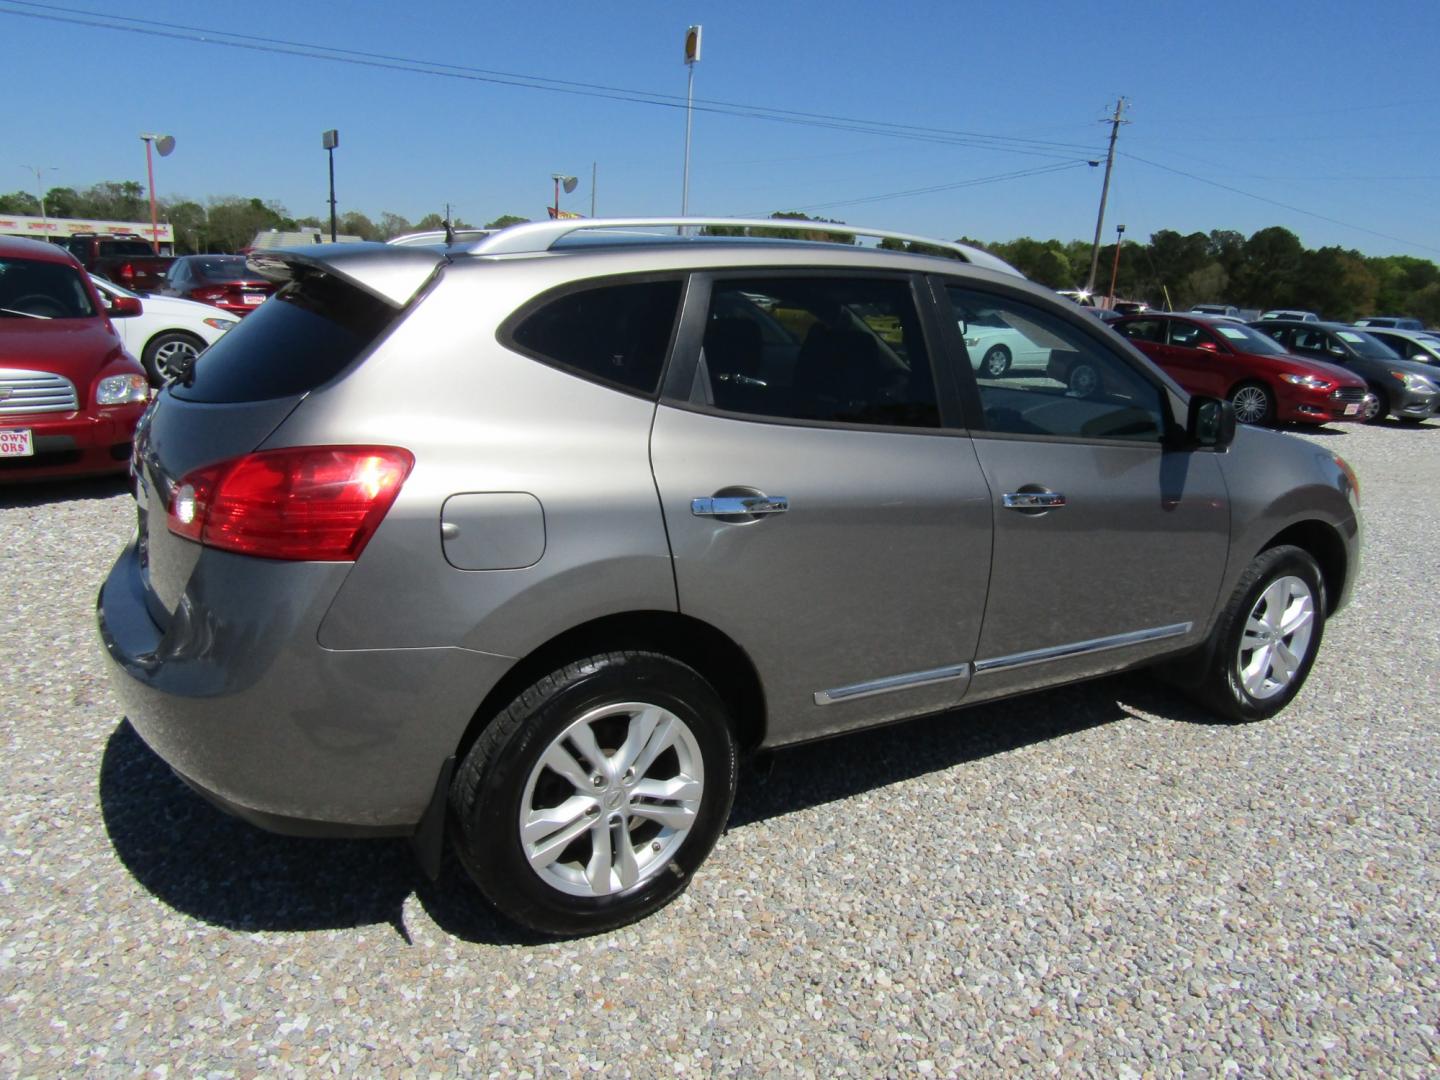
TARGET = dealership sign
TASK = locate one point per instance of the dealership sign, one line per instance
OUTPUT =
(43, 228)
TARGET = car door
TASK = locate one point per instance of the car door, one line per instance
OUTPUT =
(1195, 358)
(819, 511)
(1110, 539)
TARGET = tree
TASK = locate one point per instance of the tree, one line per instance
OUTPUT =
(191, 225)
(393, 225)
(20, 202)
(119, 200)
(505, 220)
(354, 223)
(233, 222)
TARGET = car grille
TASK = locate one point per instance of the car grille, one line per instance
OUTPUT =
(1348, 395)
(25, 392)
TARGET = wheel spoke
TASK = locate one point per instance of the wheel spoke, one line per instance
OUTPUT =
(661, 738)
(1274, 599)
(1299, 615)
(1255, 673)
(597, 870)
(542, 855)
(542, 823)
(584, 740)
(672, 817)
(1283, 663)
(677, 789)
(627, 870)
(559, 758)
(642, 726)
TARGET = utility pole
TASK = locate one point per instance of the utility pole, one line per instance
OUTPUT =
(1115, 122)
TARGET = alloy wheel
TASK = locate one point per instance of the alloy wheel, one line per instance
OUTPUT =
(173, 359)
(1276, 639)
(1251, 404)
(611, 799)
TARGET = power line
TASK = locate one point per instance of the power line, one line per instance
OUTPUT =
(1277, 202)
(306, 50)
(976, 181)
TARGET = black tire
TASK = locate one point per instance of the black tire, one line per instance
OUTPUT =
(1253, 404)
(502, 779)
(996, 362)
(169, 355)
(1083, 380)
(1382, 405)
(1222, 684)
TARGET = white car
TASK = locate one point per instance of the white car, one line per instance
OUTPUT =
(168, 333)
(995, 345)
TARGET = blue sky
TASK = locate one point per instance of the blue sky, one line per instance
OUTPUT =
(1331, 109)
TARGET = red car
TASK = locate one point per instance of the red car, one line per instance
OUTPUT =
(222, 280)
(70, 395)
(1226, 359)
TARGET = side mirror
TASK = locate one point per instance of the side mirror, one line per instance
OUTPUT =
(1207, 346)
(125, 307)
(964, 328)
(1210, 422)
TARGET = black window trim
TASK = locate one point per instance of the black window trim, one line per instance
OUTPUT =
(505, 333)
(678, 384)
(1100, 335)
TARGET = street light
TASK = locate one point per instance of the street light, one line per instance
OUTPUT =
(692, 57)
(1115, 266)
(164, 145)
(329, 140)
(569, 183)
(39, 170)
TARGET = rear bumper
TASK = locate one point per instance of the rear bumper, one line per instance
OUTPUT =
(73, 444)
(238, 697)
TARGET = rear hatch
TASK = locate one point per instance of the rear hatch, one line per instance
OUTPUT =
(332, 310)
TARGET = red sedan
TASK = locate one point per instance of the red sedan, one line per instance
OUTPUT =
(1226, 359)
(70, 395)
(222, 280)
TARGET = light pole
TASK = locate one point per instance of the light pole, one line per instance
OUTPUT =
(329, 140)
(164, 145)
(1115, 266)
(40, 170)
(569, 183)
(692, 57)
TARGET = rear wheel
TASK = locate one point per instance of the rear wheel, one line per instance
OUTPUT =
(1266, 639)
(1379, 408)
(168, 356)
(1083, 381)
(1253, 404)
(591, 800)
(996, 361)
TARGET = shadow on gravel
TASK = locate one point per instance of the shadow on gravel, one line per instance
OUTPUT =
(60, 491)
(223, 871)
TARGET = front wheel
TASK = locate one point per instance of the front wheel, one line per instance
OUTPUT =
(169, 356)
(591, 800)
(1084, 380)
(1266, 639)
(1377, 409)
(1253, 404)
(996, 361)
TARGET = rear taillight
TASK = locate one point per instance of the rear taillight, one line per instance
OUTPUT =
(126, 271)
(208, 295)
(308, 503)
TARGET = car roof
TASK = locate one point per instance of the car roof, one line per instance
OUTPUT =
(20, 247)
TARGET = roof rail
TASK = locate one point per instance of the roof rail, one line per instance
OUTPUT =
(535, 237)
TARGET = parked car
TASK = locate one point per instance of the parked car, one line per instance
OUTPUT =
(530, 538)
(223, 281)
(1420, 346)
(128, 260)
(1286, 313)
(995, 346)
(1392, 322)
(1252, 371)
(1403, 387)
(167, 333)
(70, 395)
(1228, 310)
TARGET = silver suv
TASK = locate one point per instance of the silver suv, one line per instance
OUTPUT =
(523, 541)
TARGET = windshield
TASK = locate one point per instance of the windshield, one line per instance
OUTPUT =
(1250, 341)
(1366, 345)
(224, 268)
(33, 289)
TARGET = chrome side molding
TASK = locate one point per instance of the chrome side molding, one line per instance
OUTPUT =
(908, 681)
(1079, 648)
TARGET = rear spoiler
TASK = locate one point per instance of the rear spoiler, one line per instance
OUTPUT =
(390, 274)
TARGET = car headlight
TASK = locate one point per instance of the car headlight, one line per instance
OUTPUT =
(220, 324)
(971, 342)
(122, 390)
(1415, 382)
(1314, 382)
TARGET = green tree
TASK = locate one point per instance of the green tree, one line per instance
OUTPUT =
(20, 202)
(354, 223)
(1267, 277)
(505, 220)
(191, 225)
(234, 221)
(119, 200)
(393, 225)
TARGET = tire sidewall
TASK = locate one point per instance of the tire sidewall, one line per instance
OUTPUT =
(1276, 563)
(1003, 355)
(149, 357)
(490, 847)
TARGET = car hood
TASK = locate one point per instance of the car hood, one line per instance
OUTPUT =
(1415, 368)
(173, 307)
(1330, 371)
(74, 348)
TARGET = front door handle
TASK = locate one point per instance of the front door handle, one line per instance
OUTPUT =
(738, 505)
(1032, 500)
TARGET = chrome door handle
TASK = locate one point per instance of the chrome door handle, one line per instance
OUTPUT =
(736, 505)
(1032, 500)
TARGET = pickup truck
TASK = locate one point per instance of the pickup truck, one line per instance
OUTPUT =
(128, 261)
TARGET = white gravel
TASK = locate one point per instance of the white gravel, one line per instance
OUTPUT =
(1092, 882)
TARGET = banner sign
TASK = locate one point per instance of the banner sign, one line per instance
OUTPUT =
(46, 228)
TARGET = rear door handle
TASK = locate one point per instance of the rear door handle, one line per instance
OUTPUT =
(1032, 500)
(738, 505)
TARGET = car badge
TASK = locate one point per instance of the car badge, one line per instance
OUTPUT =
(5, 392)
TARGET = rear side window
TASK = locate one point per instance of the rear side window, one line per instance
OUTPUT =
(31, 289)
(301, 338)
(617, 333)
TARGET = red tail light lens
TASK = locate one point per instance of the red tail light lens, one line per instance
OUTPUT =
(208, 295)
(310, 503)
(126, 271)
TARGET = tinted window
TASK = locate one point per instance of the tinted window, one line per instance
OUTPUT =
(831, 349)
(615, 333)
(1144, 330)
(1189, 336)
(125, 247)
(305, 335)
(42, 290)
(222, 268)
(1071, 386)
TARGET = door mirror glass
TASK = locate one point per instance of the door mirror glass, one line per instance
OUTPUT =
(1211, 422)
(1207, 346)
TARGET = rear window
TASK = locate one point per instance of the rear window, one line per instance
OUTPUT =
(223, 269)
(302, 337)
(125, 247)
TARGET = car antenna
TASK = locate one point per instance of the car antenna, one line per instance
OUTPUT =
(449, 229)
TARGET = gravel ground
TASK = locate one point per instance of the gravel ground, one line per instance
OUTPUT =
(1093, 882)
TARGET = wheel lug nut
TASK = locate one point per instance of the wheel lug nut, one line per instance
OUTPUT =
(629, 775)
(654, 845)
(598, 780)
(591, 811)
